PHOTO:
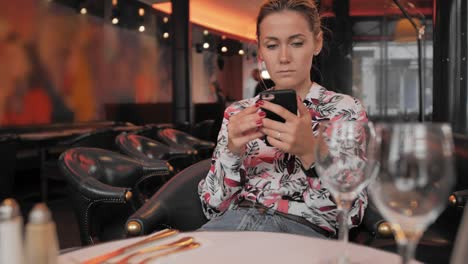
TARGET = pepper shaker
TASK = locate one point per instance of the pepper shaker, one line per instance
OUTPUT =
(11, 233)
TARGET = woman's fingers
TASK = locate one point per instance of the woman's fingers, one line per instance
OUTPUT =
(239, 127)
(247, 111)
(249, 137)
(274, 125)
(278, 135)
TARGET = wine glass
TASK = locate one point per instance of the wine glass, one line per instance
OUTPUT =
(344, 161)
(416, 177)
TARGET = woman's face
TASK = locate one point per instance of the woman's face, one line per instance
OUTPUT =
(287, 45)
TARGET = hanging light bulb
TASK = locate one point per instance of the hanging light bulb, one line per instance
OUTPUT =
(141, 28)
(83, 11)
(165, 35)
(241, 52)
(115, 21)
(206, 45)
(224, 49)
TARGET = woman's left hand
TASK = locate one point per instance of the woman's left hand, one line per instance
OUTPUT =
(295, 135)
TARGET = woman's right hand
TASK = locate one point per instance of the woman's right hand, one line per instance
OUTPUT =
(244, 127)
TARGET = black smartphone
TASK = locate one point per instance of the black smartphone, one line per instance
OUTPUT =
(285, 98)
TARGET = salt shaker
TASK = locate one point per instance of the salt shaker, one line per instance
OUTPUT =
(11, 233)
(41, 237)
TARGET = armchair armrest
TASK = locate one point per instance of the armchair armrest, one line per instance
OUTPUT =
(374, 222)
(459, 198)
(176, 205)
(89, 186)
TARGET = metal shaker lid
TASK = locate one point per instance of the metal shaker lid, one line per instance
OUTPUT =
(40, 214)
(9, 209)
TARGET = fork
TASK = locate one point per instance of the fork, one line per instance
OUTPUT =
(179, 243)
(192, 245)
(162, 234)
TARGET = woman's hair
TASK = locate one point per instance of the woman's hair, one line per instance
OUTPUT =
(307, 8)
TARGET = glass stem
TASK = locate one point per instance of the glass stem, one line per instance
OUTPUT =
(407, 243)
(344, 207)
(406, 251)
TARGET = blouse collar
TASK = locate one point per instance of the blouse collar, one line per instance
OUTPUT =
(315, 91)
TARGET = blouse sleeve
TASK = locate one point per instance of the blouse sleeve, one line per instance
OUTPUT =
(320, 199)
(226, 176)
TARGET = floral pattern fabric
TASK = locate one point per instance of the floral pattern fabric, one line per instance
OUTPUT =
(269, 176)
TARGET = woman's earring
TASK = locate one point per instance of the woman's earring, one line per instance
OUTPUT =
(263, 65)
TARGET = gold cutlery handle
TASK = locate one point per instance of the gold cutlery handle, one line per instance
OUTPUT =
(179, 243)
(159, 235)
(192, 245)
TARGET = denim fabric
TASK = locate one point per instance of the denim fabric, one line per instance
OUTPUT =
(252, 219)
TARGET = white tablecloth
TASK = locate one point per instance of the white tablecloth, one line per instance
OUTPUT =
(247, 247)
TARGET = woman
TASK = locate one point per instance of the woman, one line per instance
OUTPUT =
(252, 186)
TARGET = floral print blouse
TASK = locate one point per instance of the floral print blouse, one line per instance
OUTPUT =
(274, 178)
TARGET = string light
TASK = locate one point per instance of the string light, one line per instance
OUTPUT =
(206, 32)
(83, 11)
(241, 52)
(165, 19)
(165, 35)
(224, 49)
(141, 11)
(141, 28)
(115, 21)
(115, 2)
(206, 45)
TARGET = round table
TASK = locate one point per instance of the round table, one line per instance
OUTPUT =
(245, 247)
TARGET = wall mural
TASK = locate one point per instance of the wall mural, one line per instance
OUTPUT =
(59, 66)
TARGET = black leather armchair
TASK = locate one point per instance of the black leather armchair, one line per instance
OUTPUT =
(148, 150)
(460, 196)
(203, 148)
(8, 145)
(200, 149)
(176, 205)
(105, 188)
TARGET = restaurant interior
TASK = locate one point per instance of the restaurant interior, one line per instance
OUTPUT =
(110, 112)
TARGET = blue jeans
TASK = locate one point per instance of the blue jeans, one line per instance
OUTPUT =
(251, 219)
